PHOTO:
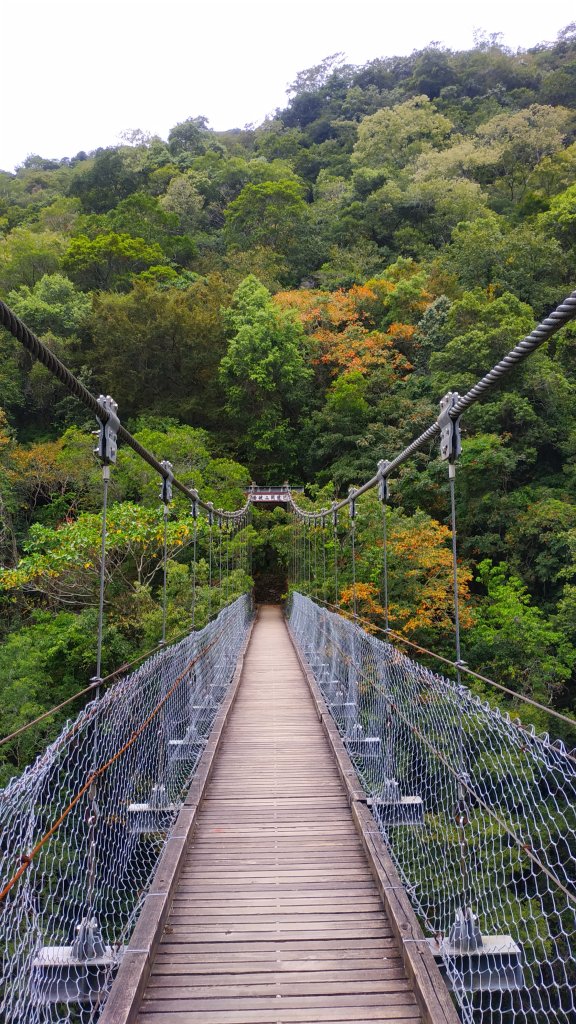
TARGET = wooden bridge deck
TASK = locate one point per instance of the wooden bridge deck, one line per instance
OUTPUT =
(277, 917)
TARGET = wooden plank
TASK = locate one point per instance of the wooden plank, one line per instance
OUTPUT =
(222, 908)
(168, 945)
(433, 996)
(162, 975)
(276, 916)
(284, 1016)
(237, 964)
(130, 981)
(228, 932)
(309, 1003)
(178, 987)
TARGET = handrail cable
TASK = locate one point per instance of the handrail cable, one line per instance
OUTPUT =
(98, 682)
(472, 792)
(462, 666)
(459, 776)
(26, 859)
(40, 351)
(541, 738)
(561, 316)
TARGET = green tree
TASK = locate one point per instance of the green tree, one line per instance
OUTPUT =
(103, 181)
(52, 304)
(265, 379)
(25, 256)
(158, 349)
(394, 136)
(336, 430)
(561, 217)
(518, 141)
(189, 136)
(183, 199)
(110, 261)
(526, 261)
(514, 642)
(272, 214)
(481, 330)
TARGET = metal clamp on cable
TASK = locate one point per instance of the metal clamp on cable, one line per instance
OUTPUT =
(352, 503)
(107, 447)
(450, 432)
(383, 480)
(166, 488)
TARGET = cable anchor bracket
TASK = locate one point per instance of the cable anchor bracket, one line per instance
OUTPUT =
(166, 486)
(383, 480)
(352, 503)
(450, 431)
(107, 446)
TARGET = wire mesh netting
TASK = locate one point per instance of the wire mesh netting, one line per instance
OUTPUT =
(478, 815)
(87, 823)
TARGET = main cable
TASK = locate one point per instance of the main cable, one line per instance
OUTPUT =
(42, 353)
(561, 316)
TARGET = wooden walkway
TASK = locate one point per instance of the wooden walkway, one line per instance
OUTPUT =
(276, 918)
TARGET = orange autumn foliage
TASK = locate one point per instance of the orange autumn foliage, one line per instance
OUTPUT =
(420, 579)
(367, 605)
(342, 335)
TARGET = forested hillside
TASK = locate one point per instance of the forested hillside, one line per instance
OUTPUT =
(290, 301)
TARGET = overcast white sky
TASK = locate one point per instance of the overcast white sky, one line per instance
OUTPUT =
(75, 73)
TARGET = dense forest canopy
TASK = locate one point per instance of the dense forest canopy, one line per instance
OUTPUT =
(291, 301)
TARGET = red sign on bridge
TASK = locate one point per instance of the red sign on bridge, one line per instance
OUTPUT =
(270, 494)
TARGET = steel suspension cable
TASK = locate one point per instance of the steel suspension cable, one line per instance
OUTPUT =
(42, 353)
(164, 573)
(105, 483)
(335, 532)
(561, 316)
(324, 542)
(226, 531)
(210, 568)
(219, 563)
(352, 510)
(194, 549)
(315, 529)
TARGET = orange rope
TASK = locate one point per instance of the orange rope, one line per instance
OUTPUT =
(27, 858)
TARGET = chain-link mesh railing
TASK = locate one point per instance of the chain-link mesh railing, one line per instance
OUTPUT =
(477, 811)
(83, 828)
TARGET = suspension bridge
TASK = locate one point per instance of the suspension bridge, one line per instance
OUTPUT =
(281, 817)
